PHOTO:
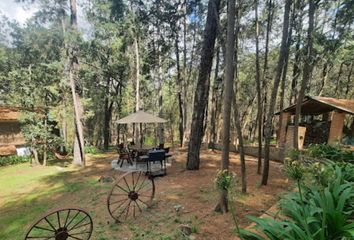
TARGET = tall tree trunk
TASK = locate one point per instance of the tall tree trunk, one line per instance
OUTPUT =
(269, 120)
(180, 90)
(338, 78)
(160, 81)
(214, 102)
(202, 91)
(227, 100)
(107, 115)
(296, 65)
(259, 94)
(265, 65)
(348, 80)
(106, 126)
(308, 67)
(185, 71)
(79, 153)
(236, 108)
(137, 85)
(285, 66)
(325, 71)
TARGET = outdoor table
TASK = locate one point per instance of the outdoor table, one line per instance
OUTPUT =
(147, 158)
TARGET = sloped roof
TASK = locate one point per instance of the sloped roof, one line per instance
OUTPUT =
(320, 105)
(141, 117)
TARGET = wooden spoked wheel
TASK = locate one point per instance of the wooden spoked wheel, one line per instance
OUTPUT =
(131, 194)
(62, 224)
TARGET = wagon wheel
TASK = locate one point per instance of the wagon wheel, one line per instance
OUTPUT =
(62, 224)
(131, 194)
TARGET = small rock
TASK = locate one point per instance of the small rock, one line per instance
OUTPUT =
(105, 179)
(191, 237)
(185, 229)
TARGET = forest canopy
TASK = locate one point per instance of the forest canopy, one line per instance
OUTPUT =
(120, 56)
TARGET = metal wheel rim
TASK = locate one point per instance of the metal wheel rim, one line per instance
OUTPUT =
(130, 196)
(59, 231)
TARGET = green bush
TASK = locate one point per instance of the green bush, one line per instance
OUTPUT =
(314, 212)
(92, 150)
(224, 179)
(14, 159)
(334, 153)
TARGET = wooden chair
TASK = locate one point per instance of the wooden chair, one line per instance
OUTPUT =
(124, 154)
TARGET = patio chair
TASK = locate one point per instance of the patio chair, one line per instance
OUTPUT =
(124, 154)
(157, 156)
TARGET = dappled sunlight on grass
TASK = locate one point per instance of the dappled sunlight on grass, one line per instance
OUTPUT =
(27, 192)
(33, 191)
(20, 179)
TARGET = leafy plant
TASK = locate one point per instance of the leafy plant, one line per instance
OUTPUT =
(334, 153)
(314, 212)
(224, 179)
(92, 150)
(11, 160)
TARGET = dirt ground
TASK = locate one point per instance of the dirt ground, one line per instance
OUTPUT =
(191, 191)
(195, 192)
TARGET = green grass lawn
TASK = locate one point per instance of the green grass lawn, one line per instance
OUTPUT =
(27, 192)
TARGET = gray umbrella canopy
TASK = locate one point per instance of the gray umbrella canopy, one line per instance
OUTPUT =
(141, 117)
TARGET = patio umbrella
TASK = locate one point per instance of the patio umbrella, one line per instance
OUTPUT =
(141, 117)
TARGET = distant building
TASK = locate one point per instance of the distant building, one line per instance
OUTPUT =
(11, 136)
(322, 121)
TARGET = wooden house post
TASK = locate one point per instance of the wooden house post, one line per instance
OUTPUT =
(283, 122)
(336, 130)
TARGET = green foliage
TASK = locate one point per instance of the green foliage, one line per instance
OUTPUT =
(320, 212)
(294, 169)
(294, 154)
(14, 159)
(324, 151)
(348, 140)
(92, 150)
(224, 179)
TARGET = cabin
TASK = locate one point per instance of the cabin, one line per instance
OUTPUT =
(11, 137)
(322, 120)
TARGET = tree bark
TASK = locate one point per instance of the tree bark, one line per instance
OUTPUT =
(281, 61)
(259, 94)
(236, 109)
(265, 64)
(338, 78)
(348, 80)
(180, 89)
(107, 115)
(79, 153)
(296, 68)
(137, 85)
(214, 102)
(285, 66)
(202, 91)
(308, 67)
(106, 126)
(228, 96)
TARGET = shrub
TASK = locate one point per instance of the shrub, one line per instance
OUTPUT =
(14, 159)
(92, 150)
(224, 180)
(334, 153)
(320, 212)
